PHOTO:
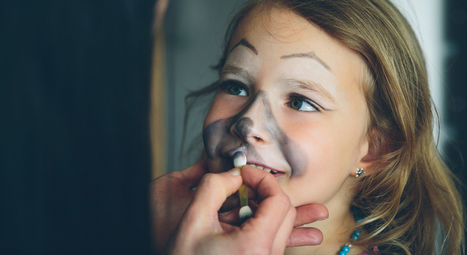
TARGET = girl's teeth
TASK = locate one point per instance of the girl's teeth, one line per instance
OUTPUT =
(263, 168)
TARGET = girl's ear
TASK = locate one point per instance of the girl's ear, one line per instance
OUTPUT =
(376, 147)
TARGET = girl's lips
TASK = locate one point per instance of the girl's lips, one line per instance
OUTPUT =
(228, 156)
(266, 168)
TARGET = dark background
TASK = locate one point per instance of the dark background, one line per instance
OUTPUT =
(74, 132)
(456, 80)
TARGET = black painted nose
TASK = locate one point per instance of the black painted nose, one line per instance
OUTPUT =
(243, 127)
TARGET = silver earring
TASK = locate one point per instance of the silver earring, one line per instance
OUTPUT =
(359, 172)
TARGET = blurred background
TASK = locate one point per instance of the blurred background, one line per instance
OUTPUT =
(85, 87)
(75, 158)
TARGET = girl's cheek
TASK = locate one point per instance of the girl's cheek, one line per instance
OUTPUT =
(214, 113)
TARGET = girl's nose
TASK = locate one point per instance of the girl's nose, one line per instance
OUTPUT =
(253, 126)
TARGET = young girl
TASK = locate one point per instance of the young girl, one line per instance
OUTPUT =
(332, 98)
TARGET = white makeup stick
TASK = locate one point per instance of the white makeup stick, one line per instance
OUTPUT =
(239, 159)
(245, 212)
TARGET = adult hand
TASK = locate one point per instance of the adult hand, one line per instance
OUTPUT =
(268, 232)
(170, 196)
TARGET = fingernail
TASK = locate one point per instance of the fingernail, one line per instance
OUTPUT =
(235, 171)
(323, 219)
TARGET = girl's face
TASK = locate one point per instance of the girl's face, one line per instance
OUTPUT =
(291, 98)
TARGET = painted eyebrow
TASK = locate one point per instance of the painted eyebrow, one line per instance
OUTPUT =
(228, 69)
(245, 43)
(309, 85)
(310, 54)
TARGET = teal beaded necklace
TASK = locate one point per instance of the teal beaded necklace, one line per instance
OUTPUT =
(356, 234)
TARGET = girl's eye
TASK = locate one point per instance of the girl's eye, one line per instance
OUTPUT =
(234, 88)
(300, 104)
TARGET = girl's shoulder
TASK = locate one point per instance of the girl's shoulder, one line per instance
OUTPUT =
(374, 249)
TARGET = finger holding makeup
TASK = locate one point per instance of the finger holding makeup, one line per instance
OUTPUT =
(200, 226)
(275, 215)
(170, 196)
(304, 214)
(268, 232)
(230, 203)
(224, 183)
(192, 175)
(233, 201)
(232, 217)
(254, 177)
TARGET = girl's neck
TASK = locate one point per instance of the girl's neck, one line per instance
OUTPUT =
(337, 230)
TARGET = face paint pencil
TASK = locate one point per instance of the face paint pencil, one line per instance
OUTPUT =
(245, 212)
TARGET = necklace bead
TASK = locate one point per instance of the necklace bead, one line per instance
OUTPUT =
(356, 234)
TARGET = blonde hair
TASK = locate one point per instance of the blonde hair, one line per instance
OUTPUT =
(409, 204)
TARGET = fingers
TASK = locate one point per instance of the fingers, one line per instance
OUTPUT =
(302, 236)
(310, 213)
(268, 189)
(275, 215)
(213, 190)
(232, 202)
(283, 235)
(230, 217)
(193, 174)
(305, 237)
(263, 182)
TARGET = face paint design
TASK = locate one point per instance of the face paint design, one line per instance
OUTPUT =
(290, 98)
(224, 137)
(243, 127)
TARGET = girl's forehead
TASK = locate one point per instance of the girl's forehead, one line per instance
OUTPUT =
(280, 24)
(281, 32)
(280, 29)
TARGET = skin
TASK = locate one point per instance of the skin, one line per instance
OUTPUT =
(269, 232)
(291, 98)
(172, 194)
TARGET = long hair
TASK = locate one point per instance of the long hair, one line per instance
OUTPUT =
(409, 204)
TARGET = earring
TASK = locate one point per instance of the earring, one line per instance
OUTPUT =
(359, 172)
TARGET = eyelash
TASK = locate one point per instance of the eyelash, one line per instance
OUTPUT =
(305, 99)
(225, 85)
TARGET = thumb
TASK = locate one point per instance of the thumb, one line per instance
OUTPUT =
(213, 190)
(193, 174)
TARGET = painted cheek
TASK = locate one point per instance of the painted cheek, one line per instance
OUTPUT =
(212, 136)
(294, 155)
